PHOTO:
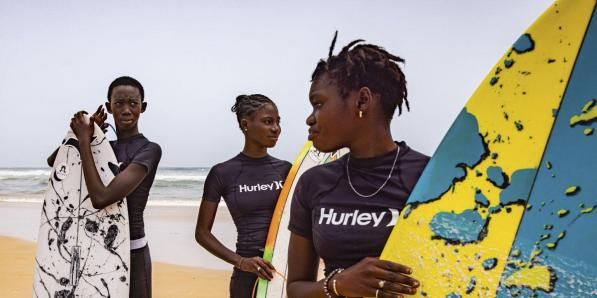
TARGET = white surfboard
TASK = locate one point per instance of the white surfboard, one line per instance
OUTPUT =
(81, 251)
(278, 238)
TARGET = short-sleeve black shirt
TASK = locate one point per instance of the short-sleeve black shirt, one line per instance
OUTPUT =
(250, 188)
(345, 227)
(138, 149)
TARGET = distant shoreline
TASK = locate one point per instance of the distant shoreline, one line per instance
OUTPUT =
(170, 231)
(20, 198)
(173, 186)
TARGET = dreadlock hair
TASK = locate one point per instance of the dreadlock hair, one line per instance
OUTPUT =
(126, 81)
(247, 105)
(366, 65)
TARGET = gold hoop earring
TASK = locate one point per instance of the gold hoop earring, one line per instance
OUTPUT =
(360, 114)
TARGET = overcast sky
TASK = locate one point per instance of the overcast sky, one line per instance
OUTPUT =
(195, 57)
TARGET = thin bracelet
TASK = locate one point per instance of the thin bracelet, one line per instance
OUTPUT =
(326, 290)
(240, 263)
(334, 284)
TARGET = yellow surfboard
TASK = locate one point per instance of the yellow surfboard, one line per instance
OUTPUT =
(463, 217)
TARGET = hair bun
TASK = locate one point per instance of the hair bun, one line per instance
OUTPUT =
(239, 100)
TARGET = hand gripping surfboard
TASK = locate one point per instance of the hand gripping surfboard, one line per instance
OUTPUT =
(81, 251)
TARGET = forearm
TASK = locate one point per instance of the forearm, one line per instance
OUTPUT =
(306, 289)
(208, 241)
(97, 191)
(50, 160)
(303, 262)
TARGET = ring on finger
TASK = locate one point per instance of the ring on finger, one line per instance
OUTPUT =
(258, 268)
(376, 293)
(381, 283)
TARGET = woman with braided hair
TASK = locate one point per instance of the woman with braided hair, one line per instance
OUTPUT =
(344, 211)
(250, 184)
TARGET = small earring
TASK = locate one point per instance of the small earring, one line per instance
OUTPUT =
(246, 129)
(360, 114)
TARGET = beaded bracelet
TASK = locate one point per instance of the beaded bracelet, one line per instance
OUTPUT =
(326, 290)
(334, 284)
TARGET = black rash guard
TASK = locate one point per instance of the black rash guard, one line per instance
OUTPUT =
(138, 149)
(250, 188)
(345, 227)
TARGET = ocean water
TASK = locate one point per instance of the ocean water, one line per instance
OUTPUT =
(171, 187)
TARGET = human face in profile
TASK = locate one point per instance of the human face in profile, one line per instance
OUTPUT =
(331, 120)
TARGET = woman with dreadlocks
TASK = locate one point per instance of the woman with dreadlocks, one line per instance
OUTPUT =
(250, 184)
(344, 211)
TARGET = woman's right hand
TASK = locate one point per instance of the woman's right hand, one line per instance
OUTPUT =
(372, 277)
(257, 265)
(100, 116)
(82, 128)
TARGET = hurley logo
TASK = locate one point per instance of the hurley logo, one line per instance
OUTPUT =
(330, 217)
(261, 187)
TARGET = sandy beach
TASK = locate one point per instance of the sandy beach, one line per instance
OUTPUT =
(181, 268)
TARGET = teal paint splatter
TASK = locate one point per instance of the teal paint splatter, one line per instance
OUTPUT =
(519, 187)
(524, 44)
(406, 211)
(494, 80)
(496, 176)
(489, 264)
(508, 63)
(448, 164)
(471, 285)
(481, 199)
(466, 227)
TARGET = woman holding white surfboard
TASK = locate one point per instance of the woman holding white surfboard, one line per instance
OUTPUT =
(250, 184)
(139, 160)
(344, 211)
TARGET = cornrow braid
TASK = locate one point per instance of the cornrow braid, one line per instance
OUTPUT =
(366, 65)
(247, 105)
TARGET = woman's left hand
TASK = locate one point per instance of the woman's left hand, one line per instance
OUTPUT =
(82, 128)
(372, 277)
(259, 266)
